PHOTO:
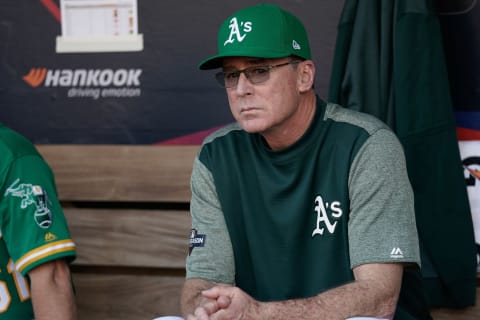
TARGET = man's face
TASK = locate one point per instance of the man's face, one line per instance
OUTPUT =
(264, 107)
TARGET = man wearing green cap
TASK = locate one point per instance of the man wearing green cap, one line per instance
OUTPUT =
(301, 209)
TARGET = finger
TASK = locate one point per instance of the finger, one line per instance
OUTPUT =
(191, 317)
(220, 315)
(211, 307)
(223, 302)
(201, 314)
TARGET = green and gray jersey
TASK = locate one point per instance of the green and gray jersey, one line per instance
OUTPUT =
(33, 229)
(293, 223)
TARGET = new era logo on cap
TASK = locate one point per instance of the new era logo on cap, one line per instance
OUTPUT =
(295, 45)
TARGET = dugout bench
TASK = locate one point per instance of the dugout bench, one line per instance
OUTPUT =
(127, 209)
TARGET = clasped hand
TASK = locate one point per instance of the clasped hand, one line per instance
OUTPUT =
(225, 303)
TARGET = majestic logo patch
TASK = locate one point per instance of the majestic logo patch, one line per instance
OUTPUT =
(50, 237)
(32, 195)
(196, 240)
(396, 253)
(323, 219)
(235, 31)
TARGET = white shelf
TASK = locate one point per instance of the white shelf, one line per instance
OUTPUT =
(121, 43)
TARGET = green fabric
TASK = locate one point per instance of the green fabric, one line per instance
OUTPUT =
(33, 229)
(263, 31)
(300, 219)
(389, 62)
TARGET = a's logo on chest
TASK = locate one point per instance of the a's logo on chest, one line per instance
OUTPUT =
(323, 219)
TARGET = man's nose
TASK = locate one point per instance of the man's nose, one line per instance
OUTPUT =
(244, 85)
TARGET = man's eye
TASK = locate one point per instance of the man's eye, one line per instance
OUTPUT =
(231, 75)
(259, 71)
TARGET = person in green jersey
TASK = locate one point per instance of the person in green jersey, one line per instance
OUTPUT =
(35, 244)
(301, 209)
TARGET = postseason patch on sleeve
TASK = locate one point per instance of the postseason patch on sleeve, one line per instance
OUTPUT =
(196, 240)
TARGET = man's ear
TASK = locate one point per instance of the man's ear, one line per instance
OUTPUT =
(306, 75)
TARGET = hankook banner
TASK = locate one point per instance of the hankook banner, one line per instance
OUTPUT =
(57, 90)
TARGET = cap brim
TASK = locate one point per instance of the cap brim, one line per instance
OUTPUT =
(216, 61)
(211, 63)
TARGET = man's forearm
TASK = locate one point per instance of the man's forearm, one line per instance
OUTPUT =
(374, 293)
(350, 300)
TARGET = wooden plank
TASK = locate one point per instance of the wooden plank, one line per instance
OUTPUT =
(121, 172)
(126, 297)
(119, 237)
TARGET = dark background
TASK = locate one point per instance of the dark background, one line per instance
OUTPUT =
(177, 99)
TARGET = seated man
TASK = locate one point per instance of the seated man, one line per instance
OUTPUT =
(35, 244)
(301, 209)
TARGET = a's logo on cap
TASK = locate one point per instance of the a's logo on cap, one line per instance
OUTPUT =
(296, 45)
(239, 31)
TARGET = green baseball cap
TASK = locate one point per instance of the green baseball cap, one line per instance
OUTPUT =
(261, 31)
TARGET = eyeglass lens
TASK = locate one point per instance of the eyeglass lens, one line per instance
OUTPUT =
(256, 75)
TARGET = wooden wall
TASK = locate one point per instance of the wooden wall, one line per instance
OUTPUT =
(127, 208)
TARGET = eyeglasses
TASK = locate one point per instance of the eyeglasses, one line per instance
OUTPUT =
(256, 74)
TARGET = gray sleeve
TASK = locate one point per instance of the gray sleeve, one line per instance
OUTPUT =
(212, 258)
(382, 225)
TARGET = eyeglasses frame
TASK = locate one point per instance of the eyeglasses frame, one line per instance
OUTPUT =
(220, 76)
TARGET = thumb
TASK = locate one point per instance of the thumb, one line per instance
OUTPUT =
(216, 291)
(219, 293)
(211, 293)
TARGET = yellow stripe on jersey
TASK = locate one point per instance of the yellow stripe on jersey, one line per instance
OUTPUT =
(44, 251)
